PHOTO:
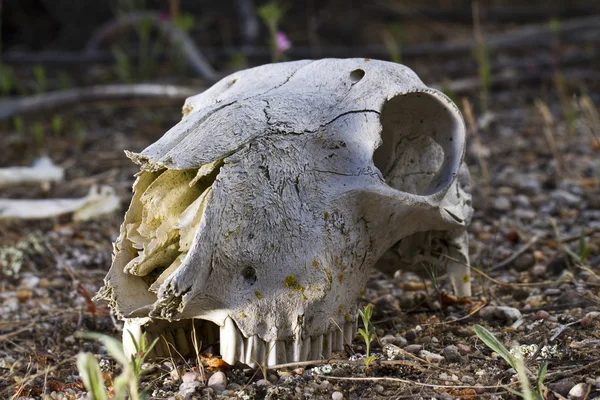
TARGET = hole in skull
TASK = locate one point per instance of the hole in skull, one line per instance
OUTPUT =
(167, 211)
(357, 75)
(418, 152)
(249, 275)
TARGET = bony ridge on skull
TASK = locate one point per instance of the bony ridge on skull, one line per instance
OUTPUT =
(256, 219)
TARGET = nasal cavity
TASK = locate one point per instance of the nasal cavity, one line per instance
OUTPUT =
(419, 151)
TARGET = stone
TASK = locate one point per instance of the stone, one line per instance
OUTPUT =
(524, 262)
(413, 348)
(217, 381)
(187, 390)
(431, 357)
(578, 391)
(451, 354)
(501, 203)
(337, 396)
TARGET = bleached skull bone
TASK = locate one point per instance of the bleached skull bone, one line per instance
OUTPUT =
(255, 220)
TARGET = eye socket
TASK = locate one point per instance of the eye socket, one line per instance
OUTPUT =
(357, 75)
(249, 275)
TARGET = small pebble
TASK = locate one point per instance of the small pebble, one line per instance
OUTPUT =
(452, 354)
(324, 385)
(578, 391)
(410, 336)
(337, 396)
(541, 314)
(464, 348)
(524, 262)
(431, 357)
(501, 203)
(190, 377)
(217, 381)
(379, 389)
(187, 390)
(262, 382)
(413, 348)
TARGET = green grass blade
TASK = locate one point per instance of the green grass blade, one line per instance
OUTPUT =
(90, 373)
(490, 340)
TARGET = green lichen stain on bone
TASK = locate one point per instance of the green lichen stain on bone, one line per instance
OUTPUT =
(161, 223)
(290, 281)
(258, 295)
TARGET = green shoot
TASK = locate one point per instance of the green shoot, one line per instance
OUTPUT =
(368, 334)
(91, 376)
(7, 79)
(271, 14)
(584, 250)
(129, 380)
(38, 135)
(516, 361)
(19, 126)
(41, 81)
(123, 65)
(392, 38)
(57, 125)
(64, 82)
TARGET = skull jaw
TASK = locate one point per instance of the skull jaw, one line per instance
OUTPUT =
(187, 338)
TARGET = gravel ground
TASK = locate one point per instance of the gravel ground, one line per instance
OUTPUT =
(537, 212)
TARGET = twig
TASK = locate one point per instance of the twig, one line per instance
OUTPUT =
(514, 255)
(387, 379)
(564, 374)
(7, 336)
(342, 361)
(194, 57)
(54, 100)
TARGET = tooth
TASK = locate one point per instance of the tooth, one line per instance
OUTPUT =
(276, 353)
(181, 342)
(131, 329)
(295, 349)
(349, 332)
(327, 342)
(255, 351)
(316, 347)
(281, 352)
(338, 340)
(272, 353)
(305, 354)
(232, 342)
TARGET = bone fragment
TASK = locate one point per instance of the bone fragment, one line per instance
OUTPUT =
(43, 171)
(100, 200)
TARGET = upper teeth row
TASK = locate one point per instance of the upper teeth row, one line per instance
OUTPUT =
(234, 347)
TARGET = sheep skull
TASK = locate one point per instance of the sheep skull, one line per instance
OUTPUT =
(256, 219)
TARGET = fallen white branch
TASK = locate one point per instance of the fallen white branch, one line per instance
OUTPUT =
(54, 100)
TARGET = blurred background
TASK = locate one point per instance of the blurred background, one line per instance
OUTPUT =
(82, 81)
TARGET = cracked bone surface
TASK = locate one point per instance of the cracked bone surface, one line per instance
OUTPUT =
(256, 219)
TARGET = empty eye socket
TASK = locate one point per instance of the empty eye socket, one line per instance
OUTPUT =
(357, 75)
(249, 275)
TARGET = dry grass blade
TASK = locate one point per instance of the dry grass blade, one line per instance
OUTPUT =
(549, 133)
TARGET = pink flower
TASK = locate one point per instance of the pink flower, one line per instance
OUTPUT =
(282, 43)
(163, 15)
